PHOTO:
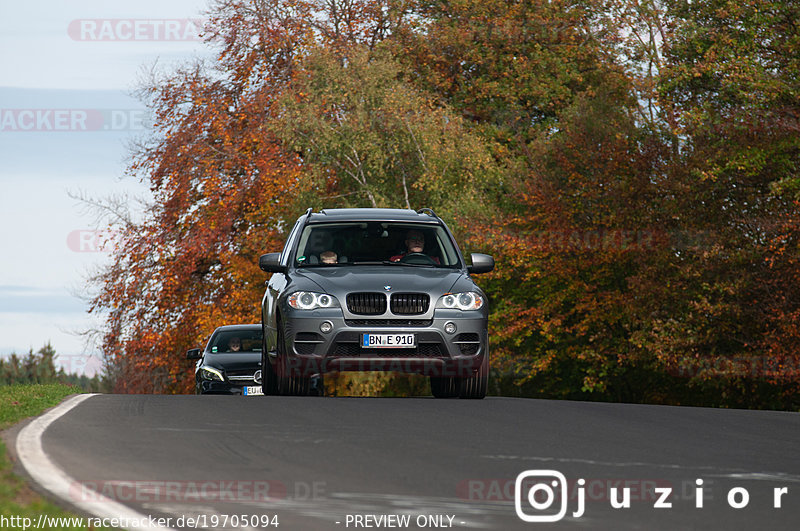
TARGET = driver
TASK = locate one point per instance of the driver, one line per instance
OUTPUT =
(329, 257)
(235, 344)
(415, 244)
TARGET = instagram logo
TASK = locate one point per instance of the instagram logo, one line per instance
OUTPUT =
(541, 489)
(544, 495)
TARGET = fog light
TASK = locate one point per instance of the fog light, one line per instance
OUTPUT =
(450, 328)
(325, 327)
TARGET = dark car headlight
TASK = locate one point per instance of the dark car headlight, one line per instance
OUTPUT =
(466, 300)
(309, 300)
(210, 373)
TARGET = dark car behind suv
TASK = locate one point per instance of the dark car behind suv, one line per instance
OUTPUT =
(374, 290)
(230, 362)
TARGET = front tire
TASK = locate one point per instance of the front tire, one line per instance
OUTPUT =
(289, 382)
(475, 386)
(269, 381)
(444, 387)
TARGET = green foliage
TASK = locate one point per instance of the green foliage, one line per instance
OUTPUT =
(511, 67)
(18, 402)
(683, 176)
(732, 73)
(378, 141)
(39, 368)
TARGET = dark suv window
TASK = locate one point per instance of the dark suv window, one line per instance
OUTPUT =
(357, 243)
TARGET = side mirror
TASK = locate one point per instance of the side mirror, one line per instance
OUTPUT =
(193, 354)
(271, 263)
(481, 263)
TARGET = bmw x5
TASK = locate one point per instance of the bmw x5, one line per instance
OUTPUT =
(371, 289)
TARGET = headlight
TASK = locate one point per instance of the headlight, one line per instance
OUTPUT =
(308, 300)
(468, 300)
(208, 373)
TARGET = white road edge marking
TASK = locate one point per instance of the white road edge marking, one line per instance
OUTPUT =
(54, 479)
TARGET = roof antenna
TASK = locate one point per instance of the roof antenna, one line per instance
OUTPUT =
(428, 211)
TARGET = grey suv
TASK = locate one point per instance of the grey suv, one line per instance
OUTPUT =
(371, 289)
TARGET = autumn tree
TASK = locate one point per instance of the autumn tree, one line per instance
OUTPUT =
(732, 73)
(220, 183)
(651, 185)
(510, 67)
(379, 142)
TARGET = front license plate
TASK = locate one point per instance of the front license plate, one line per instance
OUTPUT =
(252, 390)
(388, 341)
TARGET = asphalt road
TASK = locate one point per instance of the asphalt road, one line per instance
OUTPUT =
(323, 463)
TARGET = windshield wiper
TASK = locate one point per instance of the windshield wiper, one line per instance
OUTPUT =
(389, 262)
(385, 262)
(304, 264)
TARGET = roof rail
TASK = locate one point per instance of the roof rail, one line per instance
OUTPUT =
(307, 216)
(428, 211)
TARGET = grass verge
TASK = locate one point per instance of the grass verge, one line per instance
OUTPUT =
(18, 402)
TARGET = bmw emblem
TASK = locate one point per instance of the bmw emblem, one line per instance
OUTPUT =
(387, 288)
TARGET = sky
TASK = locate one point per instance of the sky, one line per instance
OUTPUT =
(67, 117)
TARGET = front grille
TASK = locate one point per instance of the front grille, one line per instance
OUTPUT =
(468, 343)
(430, 350)
(410, 303)
(354, 350)
(306, 342)
(306, 349)
(242, 378)
(236, 373)
(366, 303)
(388, 322)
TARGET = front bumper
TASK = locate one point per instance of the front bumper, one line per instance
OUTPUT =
(233, 384)
(215, 387)
(437, 353)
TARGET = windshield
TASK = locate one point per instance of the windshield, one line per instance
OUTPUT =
(236, 341)
(375, 242)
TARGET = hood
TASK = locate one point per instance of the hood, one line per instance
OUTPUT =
(342, 280)
(231, 361)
